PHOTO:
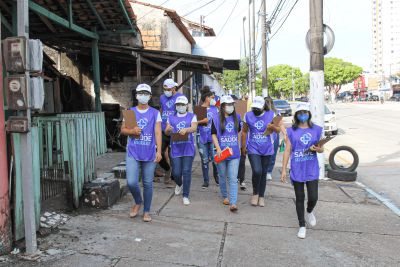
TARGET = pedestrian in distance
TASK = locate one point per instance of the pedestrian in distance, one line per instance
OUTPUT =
(205, 144)
(242, 162)
(182, 123)
(258, 146)
(225, 132)
(269, 105)
(301, 148)
(143, 151)
(167, 102)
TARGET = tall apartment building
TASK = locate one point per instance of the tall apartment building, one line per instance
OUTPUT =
(386, 37)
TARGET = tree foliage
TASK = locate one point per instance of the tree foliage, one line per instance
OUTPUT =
(236, 79)
(338, 72)
(282, 78)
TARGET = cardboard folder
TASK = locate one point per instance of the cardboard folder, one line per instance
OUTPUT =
(176, 137)
(241, 107)
(323, 141)
(275, 122)
(201, 112)
(129, 119)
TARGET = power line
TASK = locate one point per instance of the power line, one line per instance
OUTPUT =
(223, 26)
(215, 9)
(194, 10)
(290, 11)
(152, 10)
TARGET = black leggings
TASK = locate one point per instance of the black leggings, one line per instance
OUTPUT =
(312, 198)
(165, 144)
(242, 168)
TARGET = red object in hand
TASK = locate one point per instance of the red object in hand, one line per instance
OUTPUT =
(226, 153)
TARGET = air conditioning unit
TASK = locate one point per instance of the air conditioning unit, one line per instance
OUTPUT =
(16, 89)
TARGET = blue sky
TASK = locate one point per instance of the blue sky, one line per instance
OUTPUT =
(349, 19)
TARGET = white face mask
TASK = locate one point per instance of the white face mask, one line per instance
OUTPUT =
(213, 102)
(229, 109)
(181, 109)
(168, 93)
(143, 99)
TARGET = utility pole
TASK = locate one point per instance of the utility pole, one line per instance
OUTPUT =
(5, 220)
(250, 61)
(26, 145)
(253, 52)
(244, 38)
(201, 25)
(292, 84)
(317, 70)
(264, 50)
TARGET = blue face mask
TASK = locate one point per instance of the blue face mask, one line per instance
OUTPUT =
(303, 117)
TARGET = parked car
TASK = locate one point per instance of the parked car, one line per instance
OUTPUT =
(345, 97)
(373, 98)
(302, 99)
(283, 107)
(330, 122)
(395, 97)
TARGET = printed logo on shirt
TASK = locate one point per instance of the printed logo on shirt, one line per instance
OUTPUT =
(306, 138)
(229, 127)
(181, 125)
(259, 125)
(170, 103)
(142, 123)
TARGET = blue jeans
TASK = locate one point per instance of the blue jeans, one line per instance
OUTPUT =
(228, 170)
(207, 153)
(271, 164)
(182, 166)
(259, 165)
(133, 169)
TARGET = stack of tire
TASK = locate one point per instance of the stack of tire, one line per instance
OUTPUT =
(341, 173)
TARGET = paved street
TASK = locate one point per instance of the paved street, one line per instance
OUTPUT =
(372, 129)
(206, 233)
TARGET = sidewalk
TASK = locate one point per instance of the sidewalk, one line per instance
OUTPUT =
(353, 229)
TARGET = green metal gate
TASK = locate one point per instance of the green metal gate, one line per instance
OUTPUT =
(64, 147)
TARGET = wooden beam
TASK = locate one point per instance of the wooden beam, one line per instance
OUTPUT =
(185, 81)
(99, 19)
(162, 74)
(152, 64)
(125, 12)
(47, 23)
(6, 23)
(139, 69)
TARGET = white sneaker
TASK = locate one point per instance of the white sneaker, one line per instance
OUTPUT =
(310, 219)
(186, 201)
(302, 233)
(269, 176)
(178, 189)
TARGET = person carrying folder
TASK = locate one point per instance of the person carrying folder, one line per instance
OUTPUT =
(225, 132)
(182, 126)
(301, 148)
(259, 146)
(205, 145)
(143, 151)
(167, 108)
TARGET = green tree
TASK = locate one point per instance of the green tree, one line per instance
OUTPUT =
(280, 78)
(338, 72)
(236, 79)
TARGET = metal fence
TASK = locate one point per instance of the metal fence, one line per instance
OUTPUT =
(64, 147)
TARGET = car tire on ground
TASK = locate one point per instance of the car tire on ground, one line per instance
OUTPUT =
(344, 176)
(333, 164)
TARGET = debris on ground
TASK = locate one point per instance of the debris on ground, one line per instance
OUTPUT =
(53, 219)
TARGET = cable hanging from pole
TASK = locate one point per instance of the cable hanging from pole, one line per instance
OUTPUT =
(284, 20)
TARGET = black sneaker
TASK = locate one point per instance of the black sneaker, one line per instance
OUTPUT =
(243, 186)
(205, 185)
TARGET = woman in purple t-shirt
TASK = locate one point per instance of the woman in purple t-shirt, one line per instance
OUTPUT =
(143, 151)
(301, 147)
(182, 151)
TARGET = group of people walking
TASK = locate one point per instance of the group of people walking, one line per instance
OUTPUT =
(167, 137)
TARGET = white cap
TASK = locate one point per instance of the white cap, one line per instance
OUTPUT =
(303, 106)
(258, 102)
(227, 99)
(169, 83)
(182, 100)
(143, 87)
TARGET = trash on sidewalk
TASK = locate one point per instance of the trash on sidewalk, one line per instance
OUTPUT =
(53, 219)
(101, 193)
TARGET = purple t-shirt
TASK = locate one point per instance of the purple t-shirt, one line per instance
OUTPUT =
(182, 148)
(304, 165)
(229, 138)
(205, 131)
(168, 108)
(257, 142)
(144, 147)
